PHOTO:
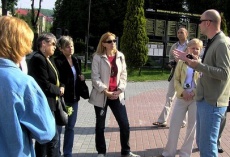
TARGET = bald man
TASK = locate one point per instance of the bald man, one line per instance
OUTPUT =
(213, 88)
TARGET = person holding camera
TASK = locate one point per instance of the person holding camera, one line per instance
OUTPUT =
(182, 35)
(185, 80)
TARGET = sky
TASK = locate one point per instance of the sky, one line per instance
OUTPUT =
(46, 4)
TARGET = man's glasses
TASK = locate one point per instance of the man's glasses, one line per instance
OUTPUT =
(110, 41)
(203, 21)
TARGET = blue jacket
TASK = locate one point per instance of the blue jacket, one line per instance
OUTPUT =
(25, 113)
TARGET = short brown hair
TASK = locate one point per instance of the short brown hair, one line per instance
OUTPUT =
(16, 38)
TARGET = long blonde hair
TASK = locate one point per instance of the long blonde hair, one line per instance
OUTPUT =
(16, 38)
(100, 48)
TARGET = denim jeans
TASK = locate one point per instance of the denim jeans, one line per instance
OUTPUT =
(208, 125)
(69, 131)
(119, 112)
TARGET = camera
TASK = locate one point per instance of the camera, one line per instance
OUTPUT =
(172, 63)
(187, 86)
(189, 56)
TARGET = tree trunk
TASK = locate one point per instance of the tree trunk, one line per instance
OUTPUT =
(4, 7)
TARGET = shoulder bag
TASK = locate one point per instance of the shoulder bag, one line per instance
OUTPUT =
(83, 90)
(61, 115)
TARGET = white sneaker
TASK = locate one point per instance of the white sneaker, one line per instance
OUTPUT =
(101, 155)
(131, 155)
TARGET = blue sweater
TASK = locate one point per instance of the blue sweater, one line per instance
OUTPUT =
(25, 113)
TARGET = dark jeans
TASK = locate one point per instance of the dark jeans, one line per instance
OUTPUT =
(50, 149)
(119, 112)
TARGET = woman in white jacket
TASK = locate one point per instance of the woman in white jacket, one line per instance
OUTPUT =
(109, 79)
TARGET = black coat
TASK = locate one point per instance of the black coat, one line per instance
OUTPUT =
(43, 73)
(67, 77)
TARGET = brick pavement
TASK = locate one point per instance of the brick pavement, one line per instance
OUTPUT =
(144, 102)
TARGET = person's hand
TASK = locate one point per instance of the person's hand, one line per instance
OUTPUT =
(82, 77)
(112, 95)
(62, 91)
(182, 56)
(187, 96)
(116, 94)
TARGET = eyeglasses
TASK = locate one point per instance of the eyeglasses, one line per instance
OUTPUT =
(110, 41)
(200, 21)
(53, 43)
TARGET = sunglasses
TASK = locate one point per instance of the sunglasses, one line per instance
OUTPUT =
(53, 43)
(200, 21)
(110, 41)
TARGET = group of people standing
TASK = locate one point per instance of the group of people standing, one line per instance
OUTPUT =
(202, 86)
(57, 77)
(30, 100)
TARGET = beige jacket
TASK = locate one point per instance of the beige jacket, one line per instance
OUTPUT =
(180, 76)
(100, 76)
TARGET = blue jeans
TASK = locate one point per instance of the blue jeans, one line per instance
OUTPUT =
(69, 131)
(208, 125)
(119, 112)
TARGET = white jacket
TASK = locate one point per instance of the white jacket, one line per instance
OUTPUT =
(100, 76)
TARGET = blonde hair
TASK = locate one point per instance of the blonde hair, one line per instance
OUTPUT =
(64, 41)
(100, 48)
(195, 41)
(16, 38)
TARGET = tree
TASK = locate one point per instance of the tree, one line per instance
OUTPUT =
(134, 39)
(35, 15)
(220, 5)
(106, 15)
(4, 7)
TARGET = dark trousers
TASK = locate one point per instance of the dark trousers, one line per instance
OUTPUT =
(119, 112)
(49, 149)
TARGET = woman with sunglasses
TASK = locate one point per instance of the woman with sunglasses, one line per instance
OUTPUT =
(109, 79)
(42, 69)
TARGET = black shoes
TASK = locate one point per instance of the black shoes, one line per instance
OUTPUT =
(220, 150)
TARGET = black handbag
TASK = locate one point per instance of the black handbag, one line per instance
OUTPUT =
(61, 115)
(81, 85)
(83, 90)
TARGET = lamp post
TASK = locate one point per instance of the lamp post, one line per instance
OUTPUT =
(87, 40)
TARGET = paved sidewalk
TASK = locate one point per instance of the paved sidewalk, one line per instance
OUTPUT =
(144, 102)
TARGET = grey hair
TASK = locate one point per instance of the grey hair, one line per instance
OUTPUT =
(47, 37)
(64, 41)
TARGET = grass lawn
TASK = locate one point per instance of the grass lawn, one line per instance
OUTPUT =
(146, 75)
